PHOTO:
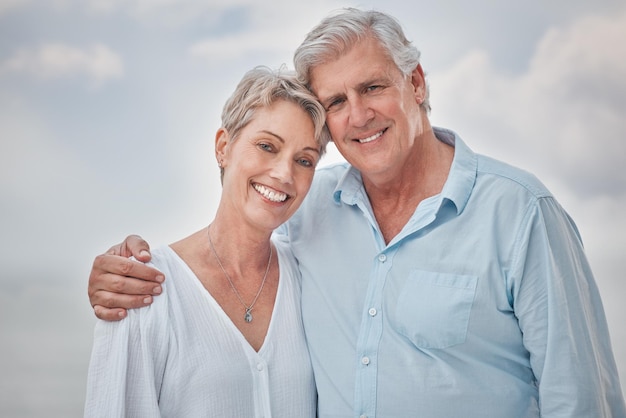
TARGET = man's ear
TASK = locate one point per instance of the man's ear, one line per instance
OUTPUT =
(418, 80)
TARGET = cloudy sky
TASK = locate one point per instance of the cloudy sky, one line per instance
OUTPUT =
(108, 110)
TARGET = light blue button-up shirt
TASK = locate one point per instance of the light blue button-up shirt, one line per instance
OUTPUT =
(484, 305)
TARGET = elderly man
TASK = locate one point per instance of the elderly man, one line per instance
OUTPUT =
(435, 282)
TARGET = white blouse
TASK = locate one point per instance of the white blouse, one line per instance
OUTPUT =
(183, 357)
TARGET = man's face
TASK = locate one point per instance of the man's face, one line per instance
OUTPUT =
(373, 111)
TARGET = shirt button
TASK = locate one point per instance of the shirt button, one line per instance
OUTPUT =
(365, 361)
(372, 311)
(363, 416)
(259, 367)
(382, 258)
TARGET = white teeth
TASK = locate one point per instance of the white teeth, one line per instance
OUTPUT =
(270, 194)
(371, 138)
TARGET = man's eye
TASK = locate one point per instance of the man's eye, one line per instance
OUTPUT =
(334, 104)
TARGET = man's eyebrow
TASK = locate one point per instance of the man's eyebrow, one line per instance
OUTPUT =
(378, 80)
(373, 81)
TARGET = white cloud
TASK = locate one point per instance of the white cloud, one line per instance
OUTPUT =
(587, 48)
(56, 60)
(564, 116)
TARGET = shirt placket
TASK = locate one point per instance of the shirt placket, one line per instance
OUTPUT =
(370, 333)
(369, 337)
(260, 377)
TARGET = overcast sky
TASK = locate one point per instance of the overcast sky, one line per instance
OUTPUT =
(108, 110)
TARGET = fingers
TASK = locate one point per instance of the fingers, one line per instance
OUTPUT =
(124, 283)
(109, 314)
(117, 283)
(109, 271)
(115, 250)
(120, 285)
(137, 247)
(117, 301)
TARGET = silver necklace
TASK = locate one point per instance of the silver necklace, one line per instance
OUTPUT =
(248, 315)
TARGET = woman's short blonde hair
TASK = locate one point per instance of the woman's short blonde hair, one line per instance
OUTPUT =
(261, 87)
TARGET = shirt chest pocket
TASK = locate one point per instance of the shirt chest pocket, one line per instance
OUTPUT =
(433, 308)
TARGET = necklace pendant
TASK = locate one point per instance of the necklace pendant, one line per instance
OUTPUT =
(248, 316)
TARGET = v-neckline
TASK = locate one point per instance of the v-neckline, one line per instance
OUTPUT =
(220, 311)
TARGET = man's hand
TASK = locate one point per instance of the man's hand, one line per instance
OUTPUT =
(117, 283)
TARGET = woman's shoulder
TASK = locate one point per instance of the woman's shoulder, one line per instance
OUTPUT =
(167, 262)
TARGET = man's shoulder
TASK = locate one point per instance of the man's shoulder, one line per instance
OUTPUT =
(501, 171)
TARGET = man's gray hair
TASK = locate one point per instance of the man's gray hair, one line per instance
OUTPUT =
(335, 35)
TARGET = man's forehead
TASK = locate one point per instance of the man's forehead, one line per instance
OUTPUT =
(328, 83)
(352, 67)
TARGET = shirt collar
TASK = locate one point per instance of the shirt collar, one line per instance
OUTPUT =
(458, 186)
(349, 188)
(462, 176)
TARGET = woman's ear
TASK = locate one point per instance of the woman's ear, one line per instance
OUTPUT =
(221, 145)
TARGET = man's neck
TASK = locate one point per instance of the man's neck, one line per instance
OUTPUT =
(395, 198)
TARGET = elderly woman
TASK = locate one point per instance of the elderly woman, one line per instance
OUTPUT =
(226, 337)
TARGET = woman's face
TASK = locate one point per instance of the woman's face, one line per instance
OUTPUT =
(268, 169)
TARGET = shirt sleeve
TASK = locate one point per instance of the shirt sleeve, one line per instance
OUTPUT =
(562, 319)
(127, 362)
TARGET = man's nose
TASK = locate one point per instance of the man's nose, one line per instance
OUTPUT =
(360, 112)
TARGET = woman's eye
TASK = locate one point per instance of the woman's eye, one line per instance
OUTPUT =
(305, 162)
(266, 147)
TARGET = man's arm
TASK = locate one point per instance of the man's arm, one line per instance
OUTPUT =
(117, 283)
(562, 320)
